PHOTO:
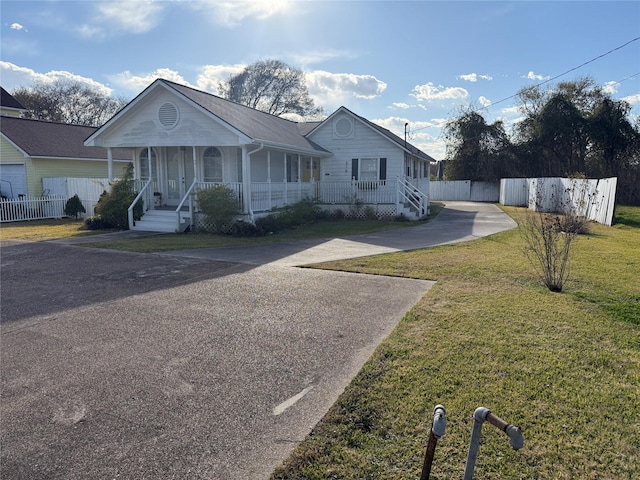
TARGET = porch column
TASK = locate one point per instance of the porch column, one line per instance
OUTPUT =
(109, 164)
(150, 165)
(269, 176)
(246, 181)
(286, 195)
(299, 177)
(196, 175)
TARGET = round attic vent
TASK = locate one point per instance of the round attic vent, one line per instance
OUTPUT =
(343, 127)
(168, 115)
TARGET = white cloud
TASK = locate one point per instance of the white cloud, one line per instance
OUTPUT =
(534, 76)
(313, 57)
(331, 90)
(611, 87)
(136, 83)
(122, 17)
(16, 26)
(632, 99)
(430, 92)
(16, 76)
(230, 13)
(473, 77)
(401, 105)
(212, 75)
(484, 101)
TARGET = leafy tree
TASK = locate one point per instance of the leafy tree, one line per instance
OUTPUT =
(67, 101)
(74, 207)
(475, 149)
(271, 86)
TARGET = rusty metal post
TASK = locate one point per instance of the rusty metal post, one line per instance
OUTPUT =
(438, 427)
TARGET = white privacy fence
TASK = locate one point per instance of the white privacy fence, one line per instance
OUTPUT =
(590, 198)
(87, 189)
(464, 191)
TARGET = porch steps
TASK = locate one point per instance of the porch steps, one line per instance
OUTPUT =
(163, 221)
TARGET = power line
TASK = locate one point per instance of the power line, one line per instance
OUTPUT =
(562, 74)
(571, 70)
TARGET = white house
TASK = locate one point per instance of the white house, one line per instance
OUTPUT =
(186, 140)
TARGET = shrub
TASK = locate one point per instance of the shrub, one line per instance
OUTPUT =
(112, 206)
(246, 229)
(74, 207)
(219, 205)
(95, 223)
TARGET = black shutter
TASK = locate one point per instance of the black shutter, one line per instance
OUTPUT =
(354, 168)
(383, 169)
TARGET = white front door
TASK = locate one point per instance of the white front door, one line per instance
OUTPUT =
(180, 174)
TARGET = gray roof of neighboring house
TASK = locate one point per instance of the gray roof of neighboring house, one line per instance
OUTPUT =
(257, 125)
(38, 138)
(8, 101)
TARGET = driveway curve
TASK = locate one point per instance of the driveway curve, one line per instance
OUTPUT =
(457, 222)
(200, 365)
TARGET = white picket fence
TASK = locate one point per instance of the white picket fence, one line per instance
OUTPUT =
(32, 208)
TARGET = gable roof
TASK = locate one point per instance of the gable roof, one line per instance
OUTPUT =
(37, 138)
(8, 101)
(406, 146)
(255, 125)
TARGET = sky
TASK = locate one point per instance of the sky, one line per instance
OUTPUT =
(394, 62)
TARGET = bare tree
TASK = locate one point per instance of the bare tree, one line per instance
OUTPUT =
(68, 102)
(271, 86)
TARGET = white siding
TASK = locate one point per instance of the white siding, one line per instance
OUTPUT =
(143, 128)
(365, 142)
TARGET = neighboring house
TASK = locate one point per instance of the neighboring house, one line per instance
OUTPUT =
(186, 140)
(33, 149)
(9, 106)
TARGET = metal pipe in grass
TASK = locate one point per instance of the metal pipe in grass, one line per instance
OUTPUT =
(479, 416)
(438, 427)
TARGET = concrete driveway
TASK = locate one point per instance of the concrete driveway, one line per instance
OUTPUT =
(186, 365)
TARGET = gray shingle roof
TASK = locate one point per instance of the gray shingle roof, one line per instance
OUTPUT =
(257, 125)
(55, 140)
(8, 101)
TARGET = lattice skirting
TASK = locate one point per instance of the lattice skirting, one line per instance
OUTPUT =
(357, 212)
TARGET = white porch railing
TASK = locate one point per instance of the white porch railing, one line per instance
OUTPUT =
(32, 208)
(268, 195)
(146, 194)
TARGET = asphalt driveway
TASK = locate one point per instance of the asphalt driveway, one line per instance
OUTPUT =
(187, 365)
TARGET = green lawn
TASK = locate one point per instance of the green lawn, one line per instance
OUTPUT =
(565, 367)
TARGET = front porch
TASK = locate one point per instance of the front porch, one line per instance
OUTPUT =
(382, 199)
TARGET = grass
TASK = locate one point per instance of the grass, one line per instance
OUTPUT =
(41, 230)
(565, 367)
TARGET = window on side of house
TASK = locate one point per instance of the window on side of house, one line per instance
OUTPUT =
(292, 168)
(369, 169)
(212, 162)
